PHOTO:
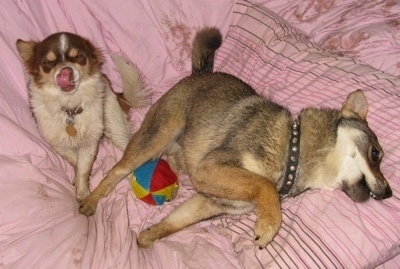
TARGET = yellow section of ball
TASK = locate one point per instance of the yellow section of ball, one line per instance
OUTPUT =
(139, 191)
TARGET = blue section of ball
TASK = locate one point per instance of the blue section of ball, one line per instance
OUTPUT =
(159, 200)
(144, 173)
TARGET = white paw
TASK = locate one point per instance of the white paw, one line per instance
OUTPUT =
(82, 191)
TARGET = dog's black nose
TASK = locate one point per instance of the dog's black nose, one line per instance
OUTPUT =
(388, 192)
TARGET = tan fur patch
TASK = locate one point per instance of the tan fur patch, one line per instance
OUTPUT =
(51, 56)
(253, 165)
(73, 53)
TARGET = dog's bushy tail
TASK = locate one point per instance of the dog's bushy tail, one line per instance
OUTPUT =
(205, 43)
(136, 93)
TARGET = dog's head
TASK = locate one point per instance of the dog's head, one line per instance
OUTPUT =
(62, 60)
(361, 153)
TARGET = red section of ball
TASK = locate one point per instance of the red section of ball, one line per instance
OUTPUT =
(162, 176)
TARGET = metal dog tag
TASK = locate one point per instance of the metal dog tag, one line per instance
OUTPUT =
(70, 129)
(70, 121)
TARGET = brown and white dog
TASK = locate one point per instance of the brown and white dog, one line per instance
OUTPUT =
(72, 101)
(245, 152)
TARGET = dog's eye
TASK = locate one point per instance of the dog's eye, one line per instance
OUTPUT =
(80, 58)
(47, 64)
(375, 154)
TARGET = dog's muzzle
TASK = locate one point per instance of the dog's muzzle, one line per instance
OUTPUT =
(65, 79)
(361, 192)
(387, 194)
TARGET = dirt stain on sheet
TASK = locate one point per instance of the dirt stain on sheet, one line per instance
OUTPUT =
(77, 259)
(346, 42)
(310, 10)
(181, 36)
(42, 192)
(77, 253)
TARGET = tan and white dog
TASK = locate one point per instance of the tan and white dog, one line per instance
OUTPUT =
(245, 152)
(72, 101)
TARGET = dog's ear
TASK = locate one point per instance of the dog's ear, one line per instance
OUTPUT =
(26, 49)
(356, 105)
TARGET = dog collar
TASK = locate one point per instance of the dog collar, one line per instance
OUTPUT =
(292, 167)
(70, 121)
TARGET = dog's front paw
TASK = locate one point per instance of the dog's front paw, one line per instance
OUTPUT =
(264, 233)
(88, 206)
(81, 194)
(82, 188)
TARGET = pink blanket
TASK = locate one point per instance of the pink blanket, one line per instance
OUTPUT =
(282, 49)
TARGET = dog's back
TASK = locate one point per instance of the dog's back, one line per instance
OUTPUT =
(227, 112)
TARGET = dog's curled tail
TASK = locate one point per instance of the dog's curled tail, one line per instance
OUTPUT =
(136, 93)
(205, 43)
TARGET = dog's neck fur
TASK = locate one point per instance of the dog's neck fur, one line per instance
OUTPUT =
(318, 129)
(71, 112)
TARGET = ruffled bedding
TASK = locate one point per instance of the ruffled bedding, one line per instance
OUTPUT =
(299, 53)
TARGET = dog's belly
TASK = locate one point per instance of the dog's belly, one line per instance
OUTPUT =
(234, 207)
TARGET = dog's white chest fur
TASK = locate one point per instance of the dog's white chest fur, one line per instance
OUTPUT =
(48, 103)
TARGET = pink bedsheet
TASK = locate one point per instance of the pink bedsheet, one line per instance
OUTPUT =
(40, 226)
(366, 30)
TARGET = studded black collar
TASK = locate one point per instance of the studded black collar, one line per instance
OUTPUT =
(292, 167)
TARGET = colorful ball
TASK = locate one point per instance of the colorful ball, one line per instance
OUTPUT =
(154, 182)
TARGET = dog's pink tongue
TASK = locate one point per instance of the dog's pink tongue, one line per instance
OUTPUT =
(65, 79)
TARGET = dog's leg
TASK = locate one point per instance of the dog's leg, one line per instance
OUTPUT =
(132, 158)
(195, 209)
(86, 157)
(82, 160)
(237, 184)
(116, 125)
(81, 178)
(149, 142)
